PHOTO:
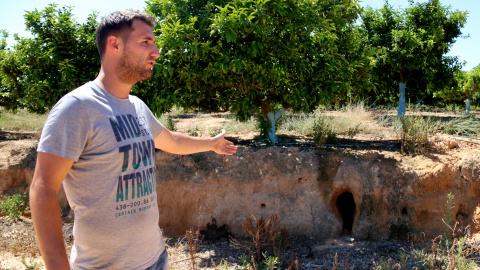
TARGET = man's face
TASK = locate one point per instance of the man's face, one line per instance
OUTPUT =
(138, 55)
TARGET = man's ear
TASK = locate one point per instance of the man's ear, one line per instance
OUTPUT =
(113, 44)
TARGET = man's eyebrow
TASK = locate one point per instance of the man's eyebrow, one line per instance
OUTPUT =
(149, 38)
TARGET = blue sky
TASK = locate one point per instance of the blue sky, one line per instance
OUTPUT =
(11, 18)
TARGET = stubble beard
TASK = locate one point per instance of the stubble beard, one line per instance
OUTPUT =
(131, 70)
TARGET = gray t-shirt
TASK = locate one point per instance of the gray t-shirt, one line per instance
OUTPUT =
(111, 186)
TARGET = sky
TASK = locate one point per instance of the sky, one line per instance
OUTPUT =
(11, 18)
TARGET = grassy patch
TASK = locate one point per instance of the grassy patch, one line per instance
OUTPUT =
(21, 121)
(465, 126)
(236, 127)
(351, 120)
(348, 121)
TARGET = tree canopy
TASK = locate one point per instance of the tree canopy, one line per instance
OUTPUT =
(413, 44)
(252, 57)
(61, 55)
(255, 58)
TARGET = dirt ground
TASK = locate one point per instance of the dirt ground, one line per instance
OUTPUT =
(17, 240)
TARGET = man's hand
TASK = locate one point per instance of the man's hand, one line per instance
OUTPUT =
(222, 146)
(181, 144)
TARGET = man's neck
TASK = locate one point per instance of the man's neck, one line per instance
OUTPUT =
(112, 84)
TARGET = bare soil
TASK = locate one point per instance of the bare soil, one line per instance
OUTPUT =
(17, 239)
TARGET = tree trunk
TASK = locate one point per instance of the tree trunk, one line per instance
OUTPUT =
(467, 107)
(402, 100)
(272, 119)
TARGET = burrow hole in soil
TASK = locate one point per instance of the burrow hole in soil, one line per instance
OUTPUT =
(346, 208)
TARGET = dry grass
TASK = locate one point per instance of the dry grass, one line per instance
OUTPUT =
(265, 238)
(21, 121)
(18, 238)
(348, 122)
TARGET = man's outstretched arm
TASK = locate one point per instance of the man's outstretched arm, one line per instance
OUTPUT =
(50, 171)
(177, 143)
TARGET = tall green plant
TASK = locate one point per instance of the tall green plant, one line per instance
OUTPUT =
(448, 218)
(414, 133)
(266, 239)
(323, 131)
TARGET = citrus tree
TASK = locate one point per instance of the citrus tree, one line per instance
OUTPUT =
(471, 87)
(413, 43)
(465, 89)
(252, 57)
(60, 56)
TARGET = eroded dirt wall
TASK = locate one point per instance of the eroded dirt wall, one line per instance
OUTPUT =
(194, 189)
(393, 195)
(323, 193)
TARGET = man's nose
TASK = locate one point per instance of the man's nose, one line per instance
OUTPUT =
(155, 53)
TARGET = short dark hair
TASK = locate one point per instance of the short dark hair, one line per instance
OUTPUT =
(116, 23)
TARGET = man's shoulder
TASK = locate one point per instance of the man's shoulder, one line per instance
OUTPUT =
(82, 92)
(75, 100)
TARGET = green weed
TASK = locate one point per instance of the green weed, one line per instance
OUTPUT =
(448, 218)
(266, 244)
(414, 132)
(14, 206)
(323, 131)
(31, 264)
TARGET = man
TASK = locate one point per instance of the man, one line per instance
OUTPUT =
(99, 142)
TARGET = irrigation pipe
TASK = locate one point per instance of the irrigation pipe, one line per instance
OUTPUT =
(473, 138)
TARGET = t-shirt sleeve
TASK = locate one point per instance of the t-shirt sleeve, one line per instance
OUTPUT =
(155, 124)
(66, 130)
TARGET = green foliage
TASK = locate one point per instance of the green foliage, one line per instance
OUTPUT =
(60, 56)
(448, 217)
(252, 56)
(14, 206)
(323, 132)
(452, 94)
(264, 126)
(465, 87)
(447, 252)
(271, 262)
(411, 47)
(457, 258)
(414, 132)
(170, 124)
(471, 83)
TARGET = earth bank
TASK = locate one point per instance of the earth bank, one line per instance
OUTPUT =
(366, 194)
(369, 194)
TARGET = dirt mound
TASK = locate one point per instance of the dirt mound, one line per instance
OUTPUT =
(17, 163)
